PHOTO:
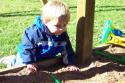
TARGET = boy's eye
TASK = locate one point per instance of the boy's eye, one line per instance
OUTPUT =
(64, 25)
(60, 26)
(57, 26)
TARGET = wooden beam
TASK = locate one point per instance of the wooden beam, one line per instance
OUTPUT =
(46, 63)
(43, 1)
(84, 36)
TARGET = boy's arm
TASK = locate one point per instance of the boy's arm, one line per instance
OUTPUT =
(69, 57)
(27, 48)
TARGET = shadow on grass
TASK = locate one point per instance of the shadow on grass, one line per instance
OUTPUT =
(109, 8)
(25, 13)
(72, 7)
(20, 13)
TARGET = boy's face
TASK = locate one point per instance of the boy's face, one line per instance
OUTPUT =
(56, 26)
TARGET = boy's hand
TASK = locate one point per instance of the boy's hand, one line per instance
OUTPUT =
(31, 68)
(69, 68)
(72, 68)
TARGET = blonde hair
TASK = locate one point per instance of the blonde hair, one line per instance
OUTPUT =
(55, 9)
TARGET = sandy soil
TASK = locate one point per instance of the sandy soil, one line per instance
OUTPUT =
(97, 70)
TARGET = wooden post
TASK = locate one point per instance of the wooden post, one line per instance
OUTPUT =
(43, 1)
(84, 36)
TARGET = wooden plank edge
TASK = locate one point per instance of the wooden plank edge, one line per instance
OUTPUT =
(46, 63)
(101, 47)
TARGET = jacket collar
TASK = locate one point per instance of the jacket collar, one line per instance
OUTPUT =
(38, 22)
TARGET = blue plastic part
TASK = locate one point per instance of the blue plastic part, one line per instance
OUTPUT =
(118, 32)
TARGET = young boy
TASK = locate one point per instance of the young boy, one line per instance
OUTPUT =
(46, 38)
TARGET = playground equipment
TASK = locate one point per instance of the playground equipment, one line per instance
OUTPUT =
(111, 35)
(119, 59)
(54, 77)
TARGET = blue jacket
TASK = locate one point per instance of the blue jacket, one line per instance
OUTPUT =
(38, 44)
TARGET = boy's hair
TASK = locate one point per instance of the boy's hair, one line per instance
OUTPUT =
(55, 9)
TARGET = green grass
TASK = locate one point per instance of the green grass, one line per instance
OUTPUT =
(16, 15)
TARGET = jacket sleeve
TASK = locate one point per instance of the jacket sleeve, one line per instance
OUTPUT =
(27, 48)
(68, 54)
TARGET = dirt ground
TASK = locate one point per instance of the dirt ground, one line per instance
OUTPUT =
(97, 70)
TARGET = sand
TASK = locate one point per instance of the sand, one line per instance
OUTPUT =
(97, 70)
